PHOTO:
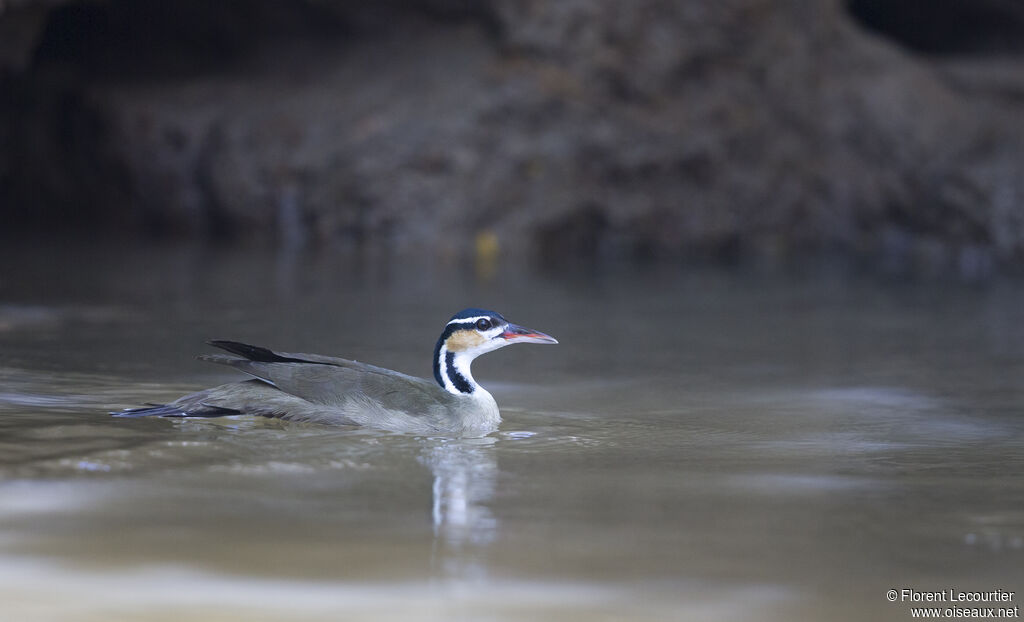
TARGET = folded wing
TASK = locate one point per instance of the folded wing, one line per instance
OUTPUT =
(331, 381)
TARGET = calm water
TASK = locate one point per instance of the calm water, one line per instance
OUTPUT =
(700, 446)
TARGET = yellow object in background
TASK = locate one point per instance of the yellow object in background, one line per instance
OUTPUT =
(486, 248)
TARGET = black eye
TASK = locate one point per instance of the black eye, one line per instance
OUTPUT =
(483, 324)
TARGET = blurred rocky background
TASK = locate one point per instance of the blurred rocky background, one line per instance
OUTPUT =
(887, 132)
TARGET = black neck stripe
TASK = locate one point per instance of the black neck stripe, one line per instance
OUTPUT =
(458, 380)
(460, 383)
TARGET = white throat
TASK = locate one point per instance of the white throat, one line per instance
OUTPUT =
(456, 372)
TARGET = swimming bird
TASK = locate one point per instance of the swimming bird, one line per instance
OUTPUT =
(324, 389)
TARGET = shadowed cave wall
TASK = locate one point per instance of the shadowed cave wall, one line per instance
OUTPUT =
(882, 131)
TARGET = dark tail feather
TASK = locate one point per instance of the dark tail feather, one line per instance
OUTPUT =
(253, 353)
(152, 410)
(168, 410)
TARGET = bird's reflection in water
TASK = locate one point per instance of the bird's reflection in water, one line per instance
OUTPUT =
(465, 476)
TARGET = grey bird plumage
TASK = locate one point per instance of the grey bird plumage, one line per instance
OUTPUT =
(335, 391)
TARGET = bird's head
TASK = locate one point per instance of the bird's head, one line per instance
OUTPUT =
(470, 333)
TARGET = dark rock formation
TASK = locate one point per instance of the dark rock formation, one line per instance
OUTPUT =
(585, 128)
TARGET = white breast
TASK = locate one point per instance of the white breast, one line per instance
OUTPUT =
(479, 413)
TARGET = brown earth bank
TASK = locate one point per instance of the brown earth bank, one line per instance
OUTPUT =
(886, 130)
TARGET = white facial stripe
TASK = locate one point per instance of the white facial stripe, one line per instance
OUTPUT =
(468, 320)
